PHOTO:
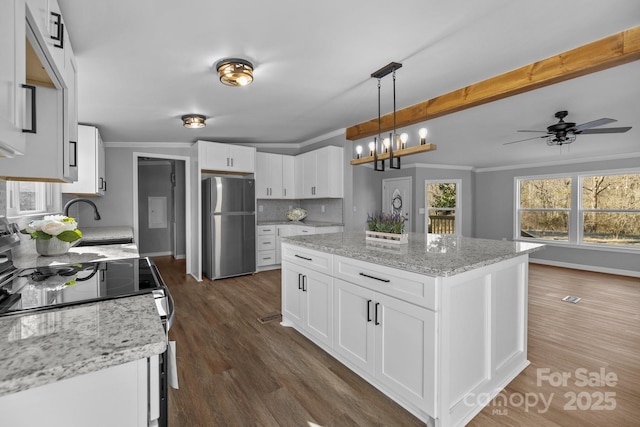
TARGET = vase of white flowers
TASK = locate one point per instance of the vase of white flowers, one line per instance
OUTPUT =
(53, 234)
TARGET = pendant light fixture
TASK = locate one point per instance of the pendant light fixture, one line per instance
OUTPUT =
(394, 146)
(193, 121)
(235, 71)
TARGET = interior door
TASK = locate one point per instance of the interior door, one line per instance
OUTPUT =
(396, 198)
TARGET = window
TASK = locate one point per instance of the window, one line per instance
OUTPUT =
(442, 202)
(610, 209)
(26, 198)
(596, 209)
(544, 206)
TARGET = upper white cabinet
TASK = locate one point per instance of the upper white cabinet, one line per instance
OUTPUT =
(50, 149)
(319, 173)
(91, 160)
(269, 176)
(12, 77)
(288, 177)
(218, 157)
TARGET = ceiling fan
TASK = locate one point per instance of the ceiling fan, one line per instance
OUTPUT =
(563, 132)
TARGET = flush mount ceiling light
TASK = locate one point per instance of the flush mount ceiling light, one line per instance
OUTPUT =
(235, 71)
(194, 121)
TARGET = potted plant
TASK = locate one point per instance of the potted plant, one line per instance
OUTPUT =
(53, 234)
(386, 227)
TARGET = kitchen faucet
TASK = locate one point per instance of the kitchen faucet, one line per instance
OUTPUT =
(96, 214)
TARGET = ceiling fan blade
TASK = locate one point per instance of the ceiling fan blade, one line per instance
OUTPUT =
(592, 124)
(523, 140)
(604, 130)
(533, 131)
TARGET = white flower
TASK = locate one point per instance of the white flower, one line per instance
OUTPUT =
(53, 225)
(34, 225)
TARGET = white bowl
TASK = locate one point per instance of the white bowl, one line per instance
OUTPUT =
(296, 214)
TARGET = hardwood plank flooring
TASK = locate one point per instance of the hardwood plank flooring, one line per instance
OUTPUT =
(235, 371)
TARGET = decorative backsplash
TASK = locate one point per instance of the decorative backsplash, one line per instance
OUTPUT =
(276, 210)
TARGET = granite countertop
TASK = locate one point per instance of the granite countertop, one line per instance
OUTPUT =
(433, 254)
(302, 223)
(47, 346)
(25, 255)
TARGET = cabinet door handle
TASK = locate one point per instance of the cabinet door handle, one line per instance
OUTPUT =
(299, 281)
(73, 160)
(227, 161)
(376, 278)
(33, 108)
(105, 185)
(232, 162)
(369, 310)
(59, 37)
(303, 257)
(101, 183)
(285, 192)
(304, 283)
(376, 313)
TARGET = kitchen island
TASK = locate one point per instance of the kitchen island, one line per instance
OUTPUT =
(438, 324)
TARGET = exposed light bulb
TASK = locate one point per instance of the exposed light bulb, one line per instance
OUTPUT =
(359, 151)
(404, 137)
(372, 147)
(423, 135)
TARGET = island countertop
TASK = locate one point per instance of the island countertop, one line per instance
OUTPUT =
(430, 254)
(47, 346)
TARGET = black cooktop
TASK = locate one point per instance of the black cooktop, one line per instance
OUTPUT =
(39, 288)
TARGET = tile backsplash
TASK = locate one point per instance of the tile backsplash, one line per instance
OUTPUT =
(276, 210)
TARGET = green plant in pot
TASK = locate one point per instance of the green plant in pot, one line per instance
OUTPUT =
(386, 222)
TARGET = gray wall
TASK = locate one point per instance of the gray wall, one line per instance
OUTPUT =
(494, 214)
(154, 180)
(116, 206)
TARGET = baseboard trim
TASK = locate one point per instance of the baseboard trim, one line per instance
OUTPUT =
(594, 268)
(152, 254)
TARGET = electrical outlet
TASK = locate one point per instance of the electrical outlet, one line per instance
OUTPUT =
(322, 208)
(421, 211)
(260, 208)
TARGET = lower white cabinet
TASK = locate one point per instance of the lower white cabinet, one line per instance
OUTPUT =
(121, 395)
(307, 298)
(389, 339)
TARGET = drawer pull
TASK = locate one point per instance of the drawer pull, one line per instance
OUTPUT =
(373, 277)
(307, 259)
(266, 243)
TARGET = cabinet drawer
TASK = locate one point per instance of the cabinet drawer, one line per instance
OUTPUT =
(314, 260)
(266, 258)
(411, 287)
(266, 230)
(303, 229)
(266, 242)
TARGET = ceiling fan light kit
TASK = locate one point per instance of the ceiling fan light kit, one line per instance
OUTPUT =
(383, 149)
(563, 133)
(194, 121)
(235, 71)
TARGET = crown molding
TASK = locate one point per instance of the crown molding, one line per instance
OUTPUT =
(148, 144)
(321, 138)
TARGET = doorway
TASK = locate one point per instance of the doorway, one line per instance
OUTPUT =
(397, 198)
(160, 204)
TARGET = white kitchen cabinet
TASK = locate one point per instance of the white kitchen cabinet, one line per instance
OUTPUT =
(284, 230)
(389, 339)
(269, 176)
(115, 396)
(12, 77)
(218, 157)
(307, 297)
(319, 173)
(266, 245)
(49, 23)
(288, 177)
(91, 164)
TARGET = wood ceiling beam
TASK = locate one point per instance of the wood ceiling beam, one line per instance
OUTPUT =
(618, 49)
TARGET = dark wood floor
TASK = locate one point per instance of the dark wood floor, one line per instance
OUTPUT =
(235, 371)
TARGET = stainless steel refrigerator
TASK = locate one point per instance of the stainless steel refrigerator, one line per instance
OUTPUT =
(229, 224)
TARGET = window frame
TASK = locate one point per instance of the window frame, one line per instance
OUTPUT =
(576, 212)
(48, 199)
(457, 224)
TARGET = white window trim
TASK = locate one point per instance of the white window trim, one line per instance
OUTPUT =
(575, 212)
(458, 209)
(50, 198)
